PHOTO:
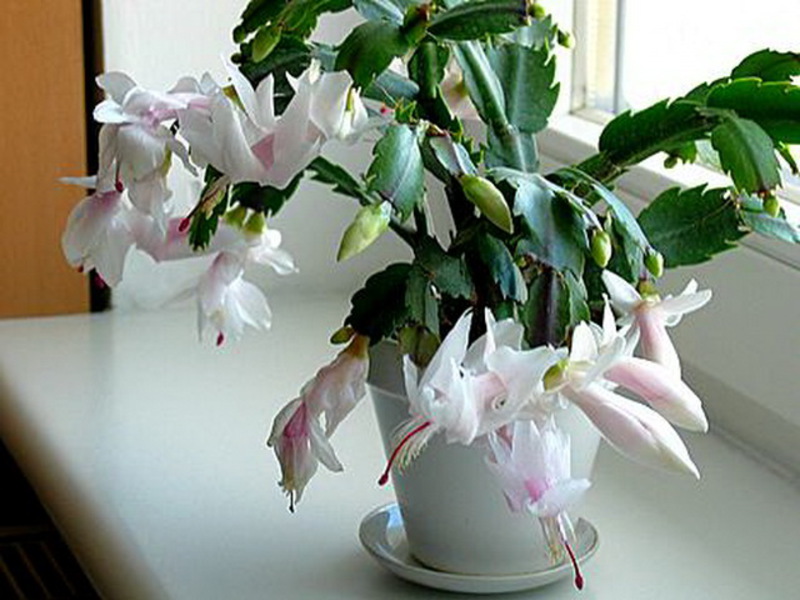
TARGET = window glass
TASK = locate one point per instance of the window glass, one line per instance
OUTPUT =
(668, 47)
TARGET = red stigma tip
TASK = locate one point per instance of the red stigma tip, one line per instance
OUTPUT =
(578, 576)
(119, 187)
(384, 478)
(80, 269)
(99, 282)
(184, 224)
(220, 339)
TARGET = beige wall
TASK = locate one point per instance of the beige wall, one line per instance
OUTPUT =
(42, 139)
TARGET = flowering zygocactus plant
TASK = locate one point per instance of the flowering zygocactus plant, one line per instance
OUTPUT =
(545, 290)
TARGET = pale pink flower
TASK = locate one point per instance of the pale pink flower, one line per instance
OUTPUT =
(661, 389)
(97, 234)
(599, 361)
(226, 303)
(300, 445)
(532, 465)
(246, 140)
(297, 435)
(454, 90)
(339, 386)
(650, 315)
(633, 429)
(135, 144)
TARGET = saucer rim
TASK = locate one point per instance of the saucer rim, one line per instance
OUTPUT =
(382, 551)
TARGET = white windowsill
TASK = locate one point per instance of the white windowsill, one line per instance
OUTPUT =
(147, 449)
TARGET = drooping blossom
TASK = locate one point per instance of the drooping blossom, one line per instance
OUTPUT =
(338, 386)
(467, 391)
(98, 232)
(651, 316)
(300, 445)
(297, 434)
(599, 361)
(226, 303)
(532, 466)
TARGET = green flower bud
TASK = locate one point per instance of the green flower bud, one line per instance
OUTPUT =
(648, 289)
(554, 376)
(671, 161)
(256, 223)
(489, 200)
(369, 224)
(654, 262)
(265, 41)
(538, 12)
(342, 335)
(565, 39)
(601, 248)
(239, 34)
(236, 216)
(772, 206)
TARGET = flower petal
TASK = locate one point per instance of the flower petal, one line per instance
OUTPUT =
(662, 390)
(322, 448)
(452, 348)
(677, 306)
(116, 84)
(584, 345)
(654, 341)
(560, 497)
(624, 296)
(634, 429)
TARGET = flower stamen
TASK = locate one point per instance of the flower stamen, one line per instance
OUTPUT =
(385, 475)
(575, 567)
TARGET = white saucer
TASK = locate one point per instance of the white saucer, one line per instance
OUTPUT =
(383, 536)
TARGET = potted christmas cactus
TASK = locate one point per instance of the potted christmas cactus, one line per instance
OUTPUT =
(537, 315)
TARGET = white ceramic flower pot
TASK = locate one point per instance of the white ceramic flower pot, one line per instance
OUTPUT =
(454, 514)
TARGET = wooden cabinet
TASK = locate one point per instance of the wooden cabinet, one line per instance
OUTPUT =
(42, 138)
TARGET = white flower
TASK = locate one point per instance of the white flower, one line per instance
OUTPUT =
(467, 392)
(248, 142)
(336, 108)
(135, 145)
(661, 389)
(651, 316)
(297, 435)
(226, 302)
(97, 234)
